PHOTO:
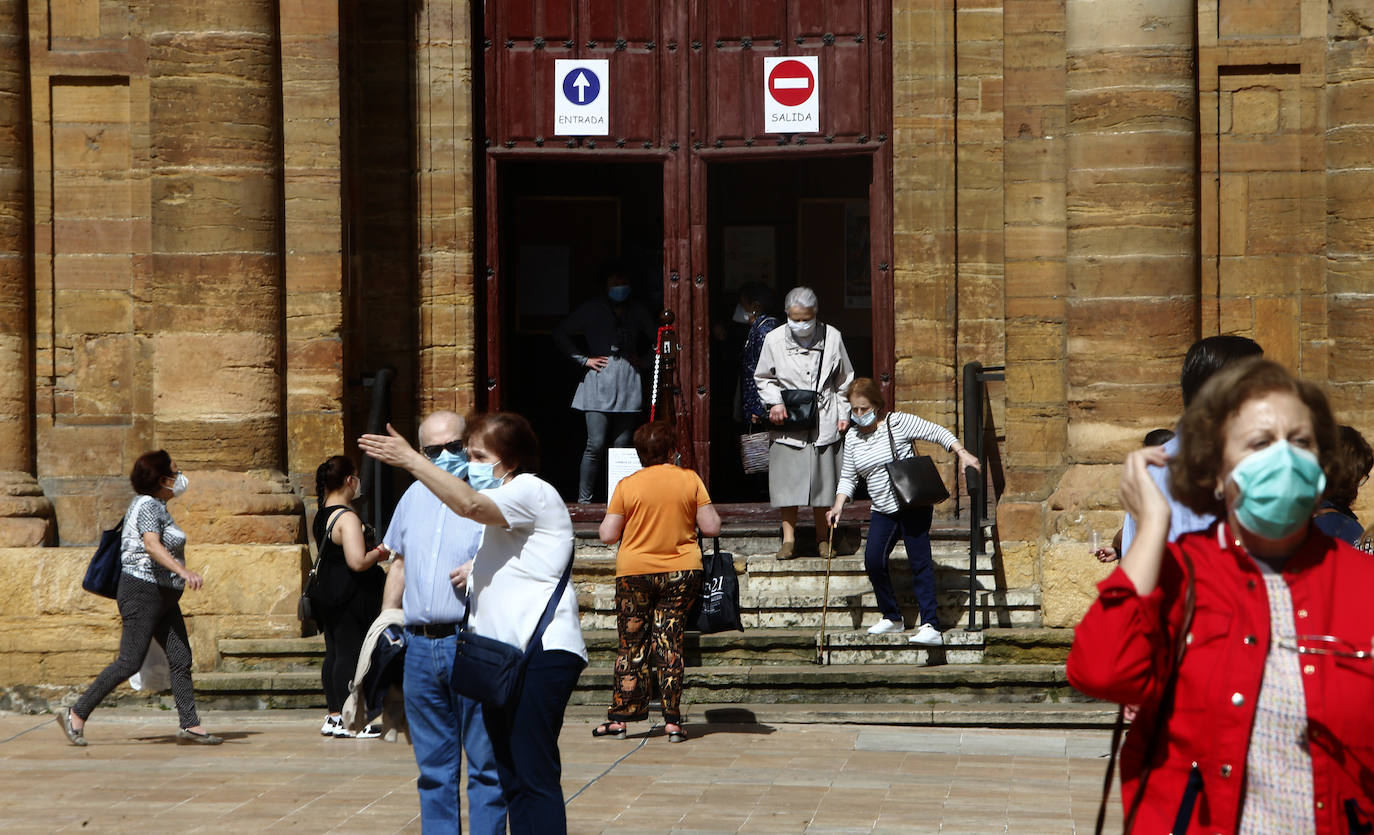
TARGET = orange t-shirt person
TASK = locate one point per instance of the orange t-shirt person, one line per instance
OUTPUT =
(659, 504)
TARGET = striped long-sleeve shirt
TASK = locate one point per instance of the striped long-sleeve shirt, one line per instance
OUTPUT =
(866, 453)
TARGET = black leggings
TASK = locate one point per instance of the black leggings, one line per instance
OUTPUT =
(344, 630)
(150, 613)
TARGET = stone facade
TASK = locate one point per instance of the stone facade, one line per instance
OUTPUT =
(217, 218)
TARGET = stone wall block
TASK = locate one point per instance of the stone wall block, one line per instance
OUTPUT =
(1109, 24)
(1070, 575)
(224, 212)
(215, 375)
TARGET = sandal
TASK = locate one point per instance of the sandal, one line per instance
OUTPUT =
(609, 729)
(678, 735)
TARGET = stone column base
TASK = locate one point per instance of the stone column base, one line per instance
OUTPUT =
(26, 515)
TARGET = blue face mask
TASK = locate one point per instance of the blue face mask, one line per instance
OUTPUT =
(619, 292)
(1279, 488)
(453, 463)
(865, 420)
(482, 475)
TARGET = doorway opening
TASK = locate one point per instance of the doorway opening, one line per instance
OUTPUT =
(562, 226)
(782, 223)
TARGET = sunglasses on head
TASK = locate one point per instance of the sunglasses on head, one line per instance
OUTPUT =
(433, 450)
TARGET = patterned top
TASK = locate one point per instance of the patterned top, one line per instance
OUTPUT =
(866, 453)
(146, 514)
(753, 346)
(1278, 787)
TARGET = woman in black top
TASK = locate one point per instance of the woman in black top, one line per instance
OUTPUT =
(347, 593)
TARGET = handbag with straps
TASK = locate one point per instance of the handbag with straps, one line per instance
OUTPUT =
(1166, 707)
(305, 610)
(915, 481)
(804, 405)
(491, 671)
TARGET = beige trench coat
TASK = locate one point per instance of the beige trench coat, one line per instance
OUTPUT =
(783, 364)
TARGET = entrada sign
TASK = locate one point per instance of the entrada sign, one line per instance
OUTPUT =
(581, 99)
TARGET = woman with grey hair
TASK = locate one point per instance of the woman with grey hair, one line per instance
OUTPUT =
(804, 463)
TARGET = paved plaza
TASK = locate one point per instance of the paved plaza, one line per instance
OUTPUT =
(276, 773)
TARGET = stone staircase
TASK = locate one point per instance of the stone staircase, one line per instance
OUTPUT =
(1009, 661)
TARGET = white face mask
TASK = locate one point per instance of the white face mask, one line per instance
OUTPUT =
(802, 329)
(180, 484)
(741, 315)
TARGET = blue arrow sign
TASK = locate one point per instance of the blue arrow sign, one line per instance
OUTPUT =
(581, 86)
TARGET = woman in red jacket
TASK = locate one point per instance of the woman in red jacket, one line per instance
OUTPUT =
(1264, 725)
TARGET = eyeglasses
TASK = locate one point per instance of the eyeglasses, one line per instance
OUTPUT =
(433, 450)
(1324, 645)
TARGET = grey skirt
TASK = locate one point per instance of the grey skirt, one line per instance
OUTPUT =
(803, 477)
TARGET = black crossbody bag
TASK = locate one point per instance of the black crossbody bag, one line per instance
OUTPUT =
(804, 405)
(491, 671)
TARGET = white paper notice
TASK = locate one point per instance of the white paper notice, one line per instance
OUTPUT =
(622, 461)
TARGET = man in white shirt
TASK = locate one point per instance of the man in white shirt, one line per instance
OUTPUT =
(429, 541)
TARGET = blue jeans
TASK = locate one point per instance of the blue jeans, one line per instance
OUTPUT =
(443, 725)
(524, 735)
(912, 524)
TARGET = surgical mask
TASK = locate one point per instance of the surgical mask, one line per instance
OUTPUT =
(619, 292)
(1279, 487)
(180, 484)
(482, 475)
(866, 419)
(802, 329)
(454, 463)
(741, 315)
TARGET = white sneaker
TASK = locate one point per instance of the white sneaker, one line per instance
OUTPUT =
(332, 725)
(370, 732)
(885, 626)
(927, 636)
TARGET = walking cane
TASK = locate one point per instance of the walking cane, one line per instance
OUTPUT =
(825, 596)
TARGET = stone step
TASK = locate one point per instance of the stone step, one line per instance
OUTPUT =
(751, 647)
(963, 684)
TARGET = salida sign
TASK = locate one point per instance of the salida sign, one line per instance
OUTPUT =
(791, 102)
(581, 98)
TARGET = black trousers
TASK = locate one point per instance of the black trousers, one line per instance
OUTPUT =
(344, 628)
(524, 738)
(150, 613)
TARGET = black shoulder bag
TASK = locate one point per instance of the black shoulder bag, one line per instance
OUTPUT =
(305, 610)
(804, 405)
(1166, 707)
(915, 481)
(491, 671)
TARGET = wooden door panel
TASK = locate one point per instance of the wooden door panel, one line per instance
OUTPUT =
(726, 74)
(845, 108)
(522, 81)
(635, 104)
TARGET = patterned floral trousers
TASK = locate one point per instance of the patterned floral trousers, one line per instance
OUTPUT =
(651, 610)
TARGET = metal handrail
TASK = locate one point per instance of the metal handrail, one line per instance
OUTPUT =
(976, 377)
(376, 486)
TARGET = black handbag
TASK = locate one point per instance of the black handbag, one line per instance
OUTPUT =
(491, 671)
(915, 481)
(102, 575)
(804, 405)
(305, 607)
(717, 606)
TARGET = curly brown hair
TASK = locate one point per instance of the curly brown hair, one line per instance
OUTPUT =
(1194, 470)
(655, 443)
(509, 437)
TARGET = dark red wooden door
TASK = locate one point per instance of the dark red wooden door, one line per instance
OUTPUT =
(686, 89)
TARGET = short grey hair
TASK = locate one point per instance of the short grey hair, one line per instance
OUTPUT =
(802, 297)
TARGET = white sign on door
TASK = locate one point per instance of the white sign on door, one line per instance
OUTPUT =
(581, 98)
(791, 98)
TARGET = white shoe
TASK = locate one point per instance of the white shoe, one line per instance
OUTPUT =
(927, 636)
(370, 732)
(885, 626)
(332, 725)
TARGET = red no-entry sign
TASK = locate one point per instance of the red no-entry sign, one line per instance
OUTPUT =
(791, 83)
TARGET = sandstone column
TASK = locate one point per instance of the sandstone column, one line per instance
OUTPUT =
(25, 515)
(212, 305)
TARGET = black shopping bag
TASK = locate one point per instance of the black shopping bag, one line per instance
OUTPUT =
(717, 609)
